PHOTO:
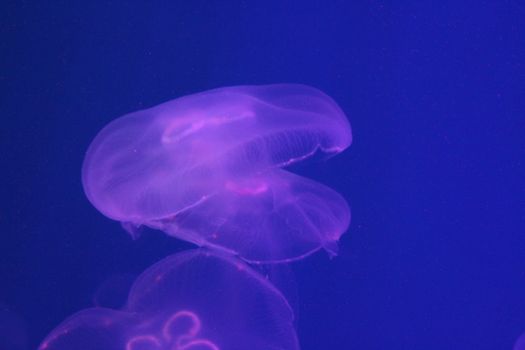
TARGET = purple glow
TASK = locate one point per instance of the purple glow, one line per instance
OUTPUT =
(206, 168)
(173, 336)
(195, 300)
(144, 342)
(520, 343)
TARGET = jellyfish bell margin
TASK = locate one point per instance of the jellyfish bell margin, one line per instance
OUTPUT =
(208, 168)
(198, 299)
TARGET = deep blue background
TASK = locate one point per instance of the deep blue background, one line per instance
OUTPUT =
(435, 92)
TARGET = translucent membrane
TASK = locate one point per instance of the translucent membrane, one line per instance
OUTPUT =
(195, 300)
(206, 168)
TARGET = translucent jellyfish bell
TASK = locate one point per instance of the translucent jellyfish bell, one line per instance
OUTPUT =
(206, 168)
(195, 300)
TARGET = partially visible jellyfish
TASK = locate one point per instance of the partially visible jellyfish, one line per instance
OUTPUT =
(207, 168)
(196, 300)
(520, 343)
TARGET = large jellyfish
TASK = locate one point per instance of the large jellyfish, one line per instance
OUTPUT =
(196, 300)
(208, 168)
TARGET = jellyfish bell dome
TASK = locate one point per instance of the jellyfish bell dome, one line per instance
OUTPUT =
(195, 300)
(201, 166)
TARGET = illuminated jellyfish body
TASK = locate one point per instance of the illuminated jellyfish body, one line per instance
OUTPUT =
(207, 168)
(197, 300)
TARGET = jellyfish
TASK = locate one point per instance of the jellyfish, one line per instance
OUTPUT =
(211, 169)
(520, 343)
(195, 300)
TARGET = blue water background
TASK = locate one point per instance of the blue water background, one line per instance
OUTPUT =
(434, 90)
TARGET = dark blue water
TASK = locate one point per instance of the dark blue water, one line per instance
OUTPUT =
(435, 93)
